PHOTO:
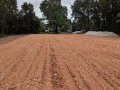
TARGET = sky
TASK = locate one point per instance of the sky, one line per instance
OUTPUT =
(36, 4)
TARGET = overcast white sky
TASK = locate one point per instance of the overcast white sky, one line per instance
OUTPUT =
(36, 4)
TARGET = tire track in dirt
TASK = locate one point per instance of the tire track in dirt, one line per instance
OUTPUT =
(108, 79)
(106, 74)
(24, 59)
(96, 51)
(88, 61)
(104, 45)
(105, 54)
(104, 62)
(56, 74)
(8, 60)
(42, 79)
(66, 50)
(60, 62)
(32, 78)
(69, 84)
(73, 76)
(39, 78)
(43, 76)
(11, 66)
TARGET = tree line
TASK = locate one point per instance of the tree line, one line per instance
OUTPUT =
(14, 21)
(24, 21)
(97, 15)
(56, 14)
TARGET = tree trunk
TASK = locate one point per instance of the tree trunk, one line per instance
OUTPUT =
(2, 29)
(56, 29)
(88, 19)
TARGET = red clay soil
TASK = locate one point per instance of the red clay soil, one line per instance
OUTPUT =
(60, 62)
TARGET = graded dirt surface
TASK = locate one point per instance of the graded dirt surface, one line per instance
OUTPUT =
(9, 39)
(60, 62)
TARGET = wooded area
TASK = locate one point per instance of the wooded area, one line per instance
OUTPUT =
(13, 21)
(56, 14)
(97, 15)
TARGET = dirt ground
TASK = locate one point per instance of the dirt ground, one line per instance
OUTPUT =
(8, 39)
(60, 62)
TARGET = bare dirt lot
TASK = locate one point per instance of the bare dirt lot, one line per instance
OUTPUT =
(9, 39)
(60, 62)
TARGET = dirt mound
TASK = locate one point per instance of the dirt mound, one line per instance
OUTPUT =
(101, 33)
(79, 32)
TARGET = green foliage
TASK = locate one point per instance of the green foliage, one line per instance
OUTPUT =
(55, 13)
(8, 9)
(29, 23)
(13, 21)
(118, 16)
(97, 14)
